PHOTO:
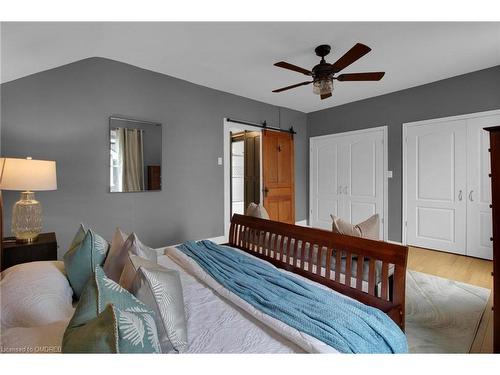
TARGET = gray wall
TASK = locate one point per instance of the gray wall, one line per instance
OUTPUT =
(62, 114)
(468, 93)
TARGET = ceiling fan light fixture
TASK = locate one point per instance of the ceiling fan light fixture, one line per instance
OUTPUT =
(323, 86)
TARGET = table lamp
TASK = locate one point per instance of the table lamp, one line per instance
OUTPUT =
(27, 175)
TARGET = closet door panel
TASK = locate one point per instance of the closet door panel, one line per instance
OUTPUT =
(325, 194)
(436, 186)
(363, 191)
(479, 228)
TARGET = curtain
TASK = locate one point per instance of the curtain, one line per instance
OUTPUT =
(130, 148)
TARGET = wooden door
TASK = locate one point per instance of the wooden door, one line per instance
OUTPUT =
(436, 183)
(278, 175)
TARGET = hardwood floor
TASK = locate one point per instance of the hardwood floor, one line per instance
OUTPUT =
(465, 269)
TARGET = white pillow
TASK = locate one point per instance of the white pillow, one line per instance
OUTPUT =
(35, 294)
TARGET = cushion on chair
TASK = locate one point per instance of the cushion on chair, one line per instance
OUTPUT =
(86, 251)
(257, 210)
(366, 229)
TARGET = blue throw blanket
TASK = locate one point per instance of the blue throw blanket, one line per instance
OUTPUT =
(345, 324)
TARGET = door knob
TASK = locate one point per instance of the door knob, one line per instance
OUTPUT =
(460, 195)
(339, 190)
(470, 196)
(266, 190)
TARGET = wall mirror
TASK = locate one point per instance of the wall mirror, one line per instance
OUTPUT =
(135, 155)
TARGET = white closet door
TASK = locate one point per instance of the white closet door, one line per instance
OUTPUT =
(479, 228)
(325, 199)
(436, 186)
(347, 177)
(363, 185)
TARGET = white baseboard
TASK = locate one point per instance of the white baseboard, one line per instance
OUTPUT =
(395, 242)
(302, 223)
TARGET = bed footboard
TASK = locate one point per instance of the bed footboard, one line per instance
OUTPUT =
(357, 267)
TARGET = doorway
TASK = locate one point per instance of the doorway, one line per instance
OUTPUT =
(230, 129)
(245, 170)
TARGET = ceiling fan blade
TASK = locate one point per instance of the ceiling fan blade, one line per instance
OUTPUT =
(295, 68)
(355, 53)
(292, 86)
(325, 96)
(374, 76)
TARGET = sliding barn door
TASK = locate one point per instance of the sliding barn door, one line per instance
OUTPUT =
(437, 186)
(278, 175)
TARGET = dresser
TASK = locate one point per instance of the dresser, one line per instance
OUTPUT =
(495, 203)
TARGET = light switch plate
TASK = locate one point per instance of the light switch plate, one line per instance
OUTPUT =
(389, 174)
(219, 161)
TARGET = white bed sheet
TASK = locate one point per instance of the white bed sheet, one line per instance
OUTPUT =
(216, 325)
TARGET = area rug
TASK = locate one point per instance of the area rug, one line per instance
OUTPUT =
(442, 315)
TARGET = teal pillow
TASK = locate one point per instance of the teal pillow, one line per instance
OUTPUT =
(128, 327)
(87, 250)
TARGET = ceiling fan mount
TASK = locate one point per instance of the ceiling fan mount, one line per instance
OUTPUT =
(322, 50)
(323, 73)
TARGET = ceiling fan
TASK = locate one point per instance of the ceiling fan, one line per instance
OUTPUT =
(323, 74)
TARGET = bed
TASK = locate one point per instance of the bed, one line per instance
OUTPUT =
(219, 322)
(372, 272)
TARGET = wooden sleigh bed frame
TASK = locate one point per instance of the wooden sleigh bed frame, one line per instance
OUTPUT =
(379, 277)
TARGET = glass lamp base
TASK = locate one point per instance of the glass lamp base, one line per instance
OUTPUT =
(27, 218)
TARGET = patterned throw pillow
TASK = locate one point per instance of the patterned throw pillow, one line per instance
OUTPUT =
(87, 251)
(161, 289)
(118, 253)
(108, 319)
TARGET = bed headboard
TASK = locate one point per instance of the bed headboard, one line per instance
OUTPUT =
(376, 269)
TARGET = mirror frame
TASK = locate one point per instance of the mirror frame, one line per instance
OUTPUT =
(136, 120)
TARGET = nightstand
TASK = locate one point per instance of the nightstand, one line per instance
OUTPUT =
(45, 248)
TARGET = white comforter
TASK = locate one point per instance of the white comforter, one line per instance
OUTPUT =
(215, 324)
(217, 320)
(248, 323)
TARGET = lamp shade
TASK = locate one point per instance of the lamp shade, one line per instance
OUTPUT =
(27, 174)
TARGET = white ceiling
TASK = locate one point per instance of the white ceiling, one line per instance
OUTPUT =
(238, 57)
